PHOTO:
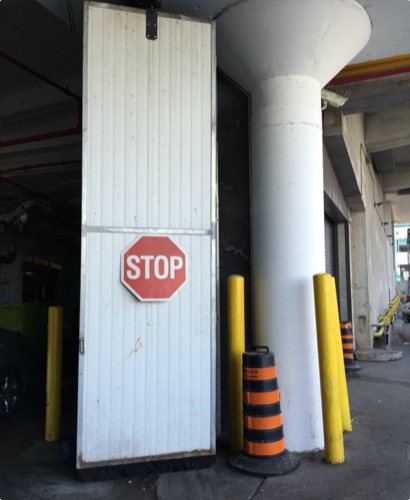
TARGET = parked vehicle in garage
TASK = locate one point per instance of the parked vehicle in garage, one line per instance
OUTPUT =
(16, 367)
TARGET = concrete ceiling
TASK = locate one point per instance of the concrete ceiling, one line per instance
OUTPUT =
(40, 139)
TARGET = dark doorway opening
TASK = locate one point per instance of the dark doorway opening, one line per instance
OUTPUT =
(234, 213)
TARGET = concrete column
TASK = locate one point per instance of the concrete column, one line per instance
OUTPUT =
(283, 53)
(288, 241)
(360, 282)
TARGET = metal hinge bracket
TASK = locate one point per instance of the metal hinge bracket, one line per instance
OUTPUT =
(151, 10)
(151, 23)
(81, 346)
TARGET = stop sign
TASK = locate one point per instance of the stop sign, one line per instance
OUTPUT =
(153, 268)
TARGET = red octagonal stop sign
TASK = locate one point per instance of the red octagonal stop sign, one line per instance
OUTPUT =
(153, 268)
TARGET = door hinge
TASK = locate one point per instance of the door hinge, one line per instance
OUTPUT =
(151, 30)
(81, 346)
(151, 9)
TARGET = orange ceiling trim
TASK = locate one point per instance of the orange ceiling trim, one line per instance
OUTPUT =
(374, 66)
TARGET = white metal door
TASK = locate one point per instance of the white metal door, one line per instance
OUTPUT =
(147, 369)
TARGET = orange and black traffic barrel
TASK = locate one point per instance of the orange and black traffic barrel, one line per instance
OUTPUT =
(264, 450)
(262, 415)
(346, 332)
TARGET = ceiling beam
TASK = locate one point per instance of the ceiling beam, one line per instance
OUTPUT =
(387, 129)
(395, 181)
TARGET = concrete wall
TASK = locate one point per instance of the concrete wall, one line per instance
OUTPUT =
(372, 255)
(403, 287)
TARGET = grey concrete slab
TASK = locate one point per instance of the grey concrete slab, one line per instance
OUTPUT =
(217, 483)
(379, 355)
(377, 456)
(377, 452)
(57, 481)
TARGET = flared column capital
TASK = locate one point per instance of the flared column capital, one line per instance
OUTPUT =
(261, 39)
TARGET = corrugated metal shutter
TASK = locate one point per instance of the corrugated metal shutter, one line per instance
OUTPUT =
(147, 375)
(329, 228)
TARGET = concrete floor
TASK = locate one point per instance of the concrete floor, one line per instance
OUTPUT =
(377, 452)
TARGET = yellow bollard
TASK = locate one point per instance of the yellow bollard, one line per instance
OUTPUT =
(54, 373)
(236, 347)
(329, 376)
(344, 397)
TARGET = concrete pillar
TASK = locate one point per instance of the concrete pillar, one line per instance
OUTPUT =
(283, 53)
(360, 282)
(288, 241)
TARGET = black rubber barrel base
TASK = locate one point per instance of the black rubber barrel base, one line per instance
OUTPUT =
(349, 367)
(273, 466)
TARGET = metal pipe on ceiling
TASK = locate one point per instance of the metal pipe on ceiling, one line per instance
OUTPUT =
(35, 166)
(38, 195)
(49, 135)
(368, 76)
(38, 75)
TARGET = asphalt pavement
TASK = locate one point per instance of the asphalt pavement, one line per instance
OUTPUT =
(377, 453)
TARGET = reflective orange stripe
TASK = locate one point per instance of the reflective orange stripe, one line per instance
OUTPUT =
(259, 373)
(345, 326)
(262, 423)
(348, 356)
(260, 398)
(347, 346)
(264, 449)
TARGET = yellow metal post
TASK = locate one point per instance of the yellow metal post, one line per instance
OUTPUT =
(344, 397)
(236, 347)
(329, 376)
(54, 373)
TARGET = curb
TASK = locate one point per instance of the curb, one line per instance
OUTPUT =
(379, 355)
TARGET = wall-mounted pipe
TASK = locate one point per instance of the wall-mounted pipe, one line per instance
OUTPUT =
(49, 135)
(368, 76)
(42, 137)
(35, 166)
(38, 195)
